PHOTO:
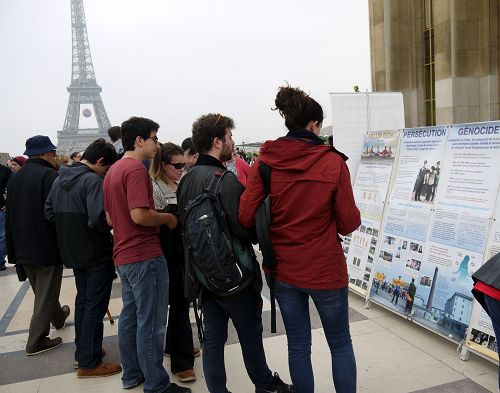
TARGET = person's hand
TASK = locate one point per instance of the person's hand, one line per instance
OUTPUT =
(170, 221)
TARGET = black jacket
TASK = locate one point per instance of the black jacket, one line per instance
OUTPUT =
(489, 273)
(76, 206)
(31, 239)
(193, 183)
(5, 174)
(230, 190)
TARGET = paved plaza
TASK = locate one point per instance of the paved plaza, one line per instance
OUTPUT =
(393, 354)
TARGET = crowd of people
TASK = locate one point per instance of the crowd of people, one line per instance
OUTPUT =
(130, 207)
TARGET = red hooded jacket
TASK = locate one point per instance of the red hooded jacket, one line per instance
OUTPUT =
(312, 202)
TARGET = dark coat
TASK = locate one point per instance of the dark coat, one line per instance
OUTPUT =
(76, 206)
(230, 190)
(489, 274)
(31, 239)
(5, 174)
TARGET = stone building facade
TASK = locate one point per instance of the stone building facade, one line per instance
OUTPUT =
(443, 55)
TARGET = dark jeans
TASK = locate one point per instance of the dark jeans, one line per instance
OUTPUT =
(179, 341)
(333, 309)
(245, 311)
(93, 288)
(3, 245)
(46, 284)
(493, 310)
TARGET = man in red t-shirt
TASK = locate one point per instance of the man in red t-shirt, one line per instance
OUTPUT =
(137, 253)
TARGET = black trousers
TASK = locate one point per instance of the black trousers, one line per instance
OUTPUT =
(93, 286)
(179, 341)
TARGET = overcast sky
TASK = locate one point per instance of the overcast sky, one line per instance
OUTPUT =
(173, 61)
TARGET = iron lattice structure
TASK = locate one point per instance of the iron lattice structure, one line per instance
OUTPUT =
(83, 90)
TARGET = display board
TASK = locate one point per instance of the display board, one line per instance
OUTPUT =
(435, 228)
(401, 272)
(370, 191)
(355, 114)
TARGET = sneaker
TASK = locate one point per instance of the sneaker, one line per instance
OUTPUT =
(102, 370)
(135, 384)
(277, 386)
(66, 311)
(173, 388)
(2, 267)
(75, 363)
(185, 376)
(46, 345)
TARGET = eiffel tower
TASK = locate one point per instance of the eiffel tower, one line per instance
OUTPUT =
(86, 119)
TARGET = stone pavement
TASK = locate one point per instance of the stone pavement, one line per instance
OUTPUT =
(393, 354)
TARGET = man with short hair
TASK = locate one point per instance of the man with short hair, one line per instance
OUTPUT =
(115, 134)
(212, 137)
(190, 153)
(32, 242)
(138, 256)
(75, 157)
(76, 206)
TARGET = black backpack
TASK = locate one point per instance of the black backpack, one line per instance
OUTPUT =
(220, 263)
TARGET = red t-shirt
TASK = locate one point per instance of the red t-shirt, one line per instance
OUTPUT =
(127, 186)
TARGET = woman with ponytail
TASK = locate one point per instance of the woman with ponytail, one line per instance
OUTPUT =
(311, 204)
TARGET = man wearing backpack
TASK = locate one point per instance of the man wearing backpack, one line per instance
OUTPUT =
(241, 301)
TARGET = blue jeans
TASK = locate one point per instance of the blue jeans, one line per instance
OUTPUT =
(245, 311)
(332, 306)
(141, 328)
(493, 310)
(3, 244)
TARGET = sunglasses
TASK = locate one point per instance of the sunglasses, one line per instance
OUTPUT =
(178, 165)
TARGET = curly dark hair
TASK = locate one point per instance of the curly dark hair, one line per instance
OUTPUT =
(134, 127)
(297, 108)
(207, 128)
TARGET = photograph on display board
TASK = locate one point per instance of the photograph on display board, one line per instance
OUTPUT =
(433, 290)
(426, 182)
(359, 249)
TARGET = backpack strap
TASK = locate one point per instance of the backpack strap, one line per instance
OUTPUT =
(262, 224)
(213, 186)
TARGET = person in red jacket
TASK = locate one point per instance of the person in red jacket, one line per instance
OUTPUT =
(312, 203)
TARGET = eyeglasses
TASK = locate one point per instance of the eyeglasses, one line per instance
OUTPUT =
(153, 138)
(178, 165)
